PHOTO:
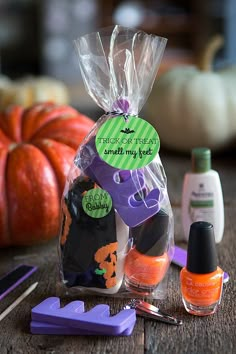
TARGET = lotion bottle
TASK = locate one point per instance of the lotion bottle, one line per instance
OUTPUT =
(202, 198)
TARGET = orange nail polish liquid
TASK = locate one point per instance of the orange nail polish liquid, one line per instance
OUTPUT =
(201, 280)
(144, 272)
(147, 262)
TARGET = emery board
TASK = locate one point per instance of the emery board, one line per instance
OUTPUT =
(14, 278)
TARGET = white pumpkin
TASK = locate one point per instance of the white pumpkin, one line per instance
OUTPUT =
(195, 106)
(4, 81)
(29, 90)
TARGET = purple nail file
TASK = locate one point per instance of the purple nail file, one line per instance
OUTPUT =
(97, 319)
(180, 259)
(14, 278)
(47, 328)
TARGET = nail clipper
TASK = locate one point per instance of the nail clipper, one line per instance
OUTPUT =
(147, 310)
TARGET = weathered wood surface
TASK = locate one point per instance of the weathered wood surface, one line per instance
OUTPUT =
(213, 334)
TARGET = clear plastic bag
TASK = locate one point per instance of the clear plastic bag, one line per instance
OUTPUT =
(117, 223)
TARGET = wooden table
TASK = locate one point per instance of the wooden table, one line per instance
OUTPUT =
(212, 334)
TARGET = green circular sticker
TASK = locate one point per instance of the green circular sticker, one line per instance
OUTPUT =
(97, 203)
(127, 144)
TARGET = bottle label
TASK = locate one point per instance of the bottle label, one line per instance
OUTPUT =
(127, 144)
(97, 203)
(201, 205)
(203, 292)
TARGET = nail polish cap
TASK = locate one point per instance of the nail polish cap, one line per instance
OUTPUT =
(153, 237)
(201, 160)
(201, 255)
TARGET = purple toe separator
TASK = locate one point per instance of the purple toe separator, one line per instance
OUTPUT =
(47, 328)
(125, 188)
(49, 318)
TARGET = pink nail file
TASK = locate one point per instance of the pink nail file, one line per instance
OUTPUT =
(180, 259)
(95, 321)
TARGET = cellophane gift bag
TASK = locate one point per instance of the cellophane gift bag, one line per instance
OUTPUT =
(117, 224)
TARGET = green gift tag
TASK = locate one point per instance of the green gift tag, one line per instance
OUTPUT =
(97, 203)
(127, 144)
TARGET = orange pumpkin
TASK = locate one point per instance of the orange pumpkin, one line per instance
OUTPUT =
(37, 146)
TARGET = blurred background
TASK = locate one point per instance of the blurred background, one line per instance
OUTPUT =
(36, 38)
(36, 35)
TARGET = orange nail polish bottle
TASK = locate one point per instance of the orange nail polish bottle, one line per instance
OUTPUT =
(147, 262)
(201, 280)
